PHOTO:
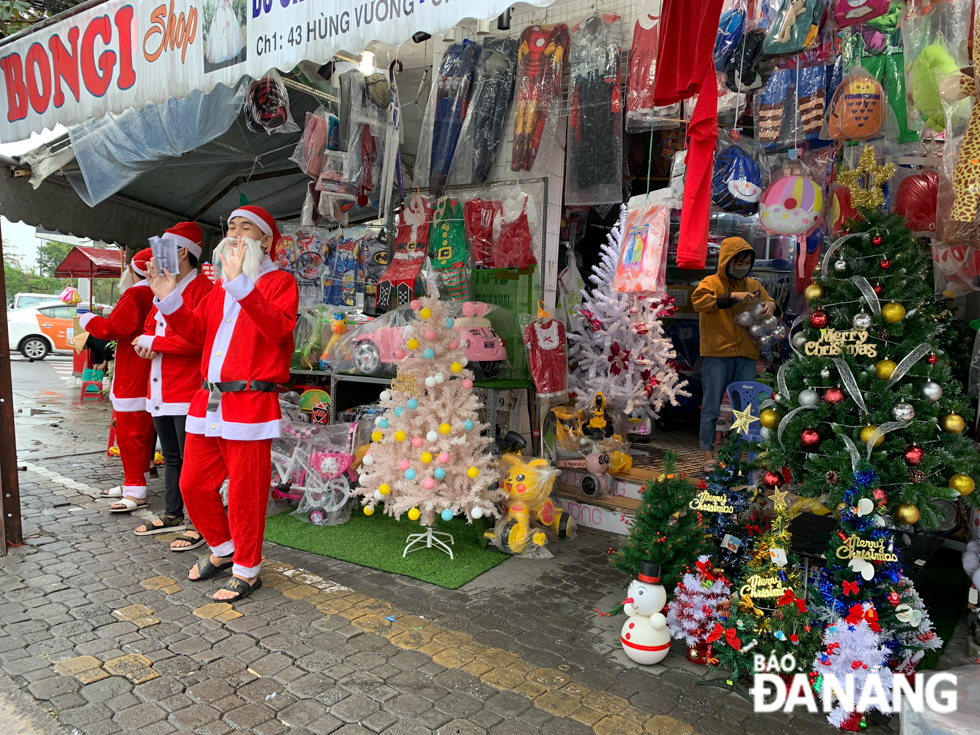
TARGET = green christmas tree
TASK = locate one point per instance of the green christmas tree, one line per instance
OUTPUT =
(665, 529)
(723, 500)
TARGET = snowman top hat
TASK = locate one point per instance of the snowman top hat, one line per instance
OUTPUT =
(649, 572)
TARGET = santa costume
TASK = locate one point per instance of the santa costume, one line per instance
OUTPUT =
(245, 328)
(175, 376)
(134, 427)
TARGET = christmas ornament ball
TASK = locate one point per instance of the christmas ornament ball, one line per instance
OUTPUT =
(758, 310)
(446, 515)
(952, 423)
(412, 344)
(414, 514)
(913, 455)
(426, 457)
(825, 373)
(744, 319)
(417, 442)
(863, 724)
(472, 473)
(412, 404)
(903, 412)
(467, 384)
(769, 418)
(399, 436)
(771, 479)
(839, 510)
(877, 289)
(963, 484)
(385, 395)
(384, 488)
(425, 313)
(476, 513)
(810, 438)
(756, 331)
(429, 353)
(368, 460)
(432, 436)
(430, 382)
(932, 359)
(439, 473)
(885, 368)
(866, 433)
(840, 266)
(410, 474)
(907, 514)
(445, 428)
(770, 323)
(893, 313)
(813, 292)
(444, 458)
(885, 264)
(456, 367)
(368, 510)
(376, 436)
(428, 483)
(809, 397)
(468, 425)
(833, 395)
(429, 335)
(932, 391)
(877, 240)
(861, 321)
(819, 319)
(799, 340)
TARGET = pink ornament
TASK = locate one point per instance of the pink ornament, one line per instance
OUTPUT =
(469, 309)
(428, 483)
(444, 458)
(468, 384)
(430, 335)
(417, 442)
(453, 344)
(403, 465)
(399, 354)
(415, 304)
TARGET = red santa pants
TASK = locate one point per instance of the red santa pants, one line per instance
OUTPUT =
(134, 435)
(248, 467)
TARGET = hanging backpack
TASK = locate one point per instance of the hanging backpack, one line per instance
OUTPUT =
(852, 12)
(730, 27)
(741, 74)
(796, 25)
(736, 182)
(857, 110)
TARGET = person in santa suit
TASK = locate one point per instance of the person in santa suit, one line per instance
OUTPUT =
(175, 376)
(245, 327)
(134, 427)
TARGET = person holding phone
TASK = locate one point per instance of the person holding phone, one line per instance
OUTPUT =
(728, 355)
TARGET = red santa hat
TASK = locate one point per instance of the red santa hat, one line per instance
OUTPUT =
(259, 217)
(188, 235)
(139, 261)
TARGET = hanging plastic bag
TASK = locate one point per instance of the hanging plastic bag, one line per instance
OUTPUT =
(794, 27)
(538, 92)
(368, 123)
(790, 110)
(641, 114)
(267, 106)
(70, 296)
(310, 150)
(742, 73)
(916, 198)
(339, 286)
(730, 28)
(399, 283)
(448, 251)
(736, 180)
(791, 205)
(547, 356)
(857, 110)
(678, 171)
(481, 217)
(513, 246)
(956, 269)
(851, 12)
(642, 265)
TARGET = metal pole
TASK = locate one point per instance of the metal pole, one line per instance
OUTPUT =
(9, 483)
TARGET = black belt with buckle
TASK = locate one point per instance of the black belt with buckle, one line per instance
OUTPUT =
(234, 386)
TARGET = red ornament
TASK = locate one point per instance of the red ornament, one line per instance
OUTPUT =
(877, 239)
(885, 264)
(833, 395)
(932, 359)
(877, 289)
(771, 479)
(819, 319)
(893, 598)
(913, 455)
(810, 438)
(880, 497)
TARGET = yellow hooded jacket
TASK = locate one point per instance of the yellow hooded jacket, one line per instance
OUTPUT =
(720, 335)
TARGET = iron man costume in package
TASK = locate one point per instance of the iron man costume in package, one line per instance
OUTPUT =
(539, 65)
(397, 285)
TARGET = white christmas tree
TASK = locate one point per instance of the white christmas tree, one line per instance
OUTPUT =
(693, 612)
(620, 348)
(428, 453)
(852, 646)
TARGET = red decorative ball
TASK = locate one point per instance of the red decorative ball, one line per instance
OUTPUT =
(913, 455)
(880, 497)
(771, 479)
(932, 359)
(877, 239)
(819, 319)
(810, 438)
(833, 395)
(885, 264)
(877, 289)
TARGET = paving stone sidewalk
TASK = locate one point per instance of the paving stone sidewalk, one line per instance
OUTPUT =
(105, 631)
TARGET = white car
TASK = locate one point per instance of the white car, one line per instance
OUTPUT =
(37, 330)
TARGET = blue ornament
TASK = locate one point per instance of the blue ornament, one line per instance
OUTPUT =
(440, 473)
(409, 474)
(412, 404)
(449, 323)
(383, 424)
(447, 515)
(468, 425)
(429, 353)
(399, 411)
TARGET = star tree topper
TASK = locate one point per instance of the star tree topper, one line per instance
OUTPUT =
(866, 180)
(743, 420)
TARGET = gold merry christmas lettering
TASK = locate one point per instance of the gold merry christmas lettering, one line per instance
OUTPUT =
(859, 548)
(711, 503)
(833, 342)
(763, 586)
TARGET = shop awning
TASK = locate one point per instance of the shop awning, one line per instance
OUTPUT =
(88, 262)
(110, 55)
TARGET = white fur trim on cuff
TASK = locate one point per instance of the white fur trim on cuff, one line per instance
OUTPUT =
(225, 549)
(145, 341)
(239, 287)
(84, 319)
(170, 303)
(247, 572)
(253, 218)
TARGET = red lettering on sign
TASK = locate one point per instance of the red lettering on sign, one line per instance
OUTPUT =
(124, 25)
(38, 71)
(97, 83)
(175, 31)
(13, 76)
(65, 65)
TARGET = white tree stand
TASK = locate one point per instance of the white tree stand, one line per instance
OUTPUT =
(428, 540)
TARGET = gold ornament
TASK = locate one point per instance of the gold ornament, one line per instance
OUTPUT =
(866, 180)
(405, 384)
(893, 313)
(813, 292)
(952, 423)
(907, 514)
(779, 498)
(743, 420)
(963, 484)
(840, 509)
(885, 368)
(866, 433)
(769, 418)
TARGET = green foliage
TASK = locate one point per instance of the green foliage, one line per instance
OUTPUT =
(827, 469)
(50, 255)
(664, 529)
(18, 281)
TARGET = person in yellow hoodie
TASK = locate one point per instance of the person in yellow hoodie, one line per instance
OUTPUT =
(728, 355)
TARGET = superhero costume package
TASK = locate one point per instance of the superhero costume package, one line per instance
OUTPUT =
(368, 123)
(375, 257)
(398, 285)
(642, 265)
(483, 127)
(302, 252)
(448, 108)
(540, 57)
(311, 149)
(340, 285)
(593, 172)
(641, 114)
(449, 257)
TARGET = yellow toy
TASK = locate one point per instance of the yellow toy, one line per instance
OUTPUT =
(529, 486)
(338, 328)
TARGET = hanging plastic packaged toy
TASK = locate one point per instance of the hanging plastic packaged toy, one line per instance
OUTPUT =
(642, 266)
(730, 28)
(851, 12)
(736, 181)
(742, 73)
(792, 205)
(916, 199)
(453, 87)
(267, 106)
(312, 146)
(794, 28)
(857, 110)
(539, 70)
(640, 112)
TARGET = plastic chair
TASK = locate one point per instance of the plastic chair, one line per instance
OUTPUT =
(749, 395)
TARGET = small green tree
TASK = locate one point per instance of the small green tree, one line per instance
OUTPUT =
(50, 255)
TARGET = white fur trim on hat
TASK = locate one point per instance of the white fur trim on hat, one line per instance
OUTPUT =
(253, 218)
(183, 242)
(139, 271)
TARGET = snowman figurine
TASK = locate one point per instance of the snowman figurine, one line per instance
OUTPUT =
(645, 637)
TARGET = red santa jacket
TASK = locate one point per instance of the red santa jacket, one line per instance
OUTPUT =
(175, 373)
(125, 323)
(246, 330)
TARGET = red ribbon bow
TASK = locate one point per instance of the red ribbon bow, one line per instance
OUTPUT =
(857, 613)
(707, 570)
(850, 588)
(731, 636)
(789, 597)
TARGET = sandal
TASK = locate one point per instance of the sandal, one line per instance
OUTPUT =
(193, 542)
(170, 524)
(240, 587)
(112, 493)
(129, 505)
(206, 569)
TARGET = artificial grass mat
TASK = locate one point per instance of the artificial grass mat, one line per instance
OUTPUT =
(378, 541)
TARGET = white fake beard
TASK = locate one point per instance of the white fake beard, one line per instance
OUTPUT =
(253, 257)
(127, 280)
